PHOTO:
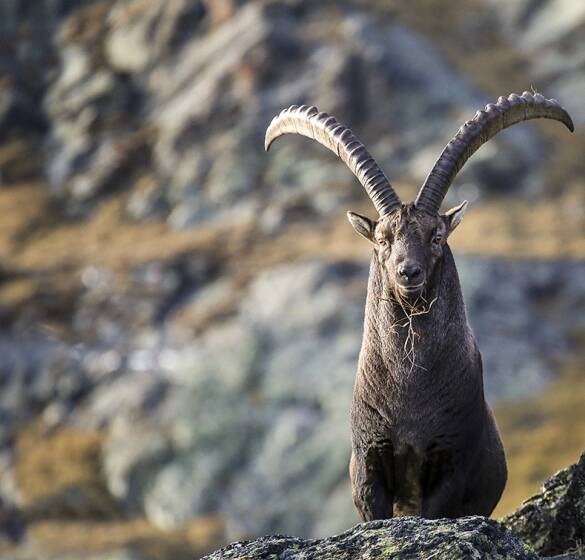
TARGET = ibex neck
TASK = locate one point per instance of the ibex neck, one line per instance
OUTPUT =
(413, 339)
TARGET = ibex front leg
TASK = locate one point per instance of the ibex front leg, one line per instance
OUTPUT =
(372, 482)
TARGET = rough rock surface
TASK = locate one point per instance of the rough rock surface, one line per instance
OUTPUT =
(546, 31)
(553, 522)
(148, 94)
(407, 537)
(549, 524)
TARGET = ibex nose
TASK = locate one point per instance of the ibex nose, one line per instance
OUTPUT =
(410, 271)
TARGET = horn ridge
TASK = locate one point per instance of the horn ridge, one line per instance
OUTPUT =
(506, 112)
(325, 129)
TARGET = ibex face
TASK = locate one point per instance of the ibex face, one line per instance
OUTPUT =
(408, 244)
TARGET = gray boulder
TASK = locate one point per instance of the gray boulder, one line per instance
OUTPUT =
(545, 31)
(400, 538)
(549, 524)
(504, 301)
(162, 95)
(553, 522)
(140, 33)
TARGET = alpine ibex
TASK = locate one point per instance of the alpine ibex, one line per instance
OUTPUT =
(424, 440)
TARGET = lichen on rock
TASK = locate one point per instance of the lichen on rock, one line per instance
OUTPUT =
(405, 537)
(553, 522)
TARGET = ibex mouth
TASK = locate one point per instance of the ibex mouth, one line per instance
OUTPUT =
(411, 290)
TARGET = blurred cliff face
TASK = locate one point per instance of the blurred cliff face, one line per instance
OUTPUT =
(182, 314)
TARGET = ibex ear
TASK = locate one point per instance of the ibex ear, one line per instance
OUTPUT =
(455, 215)
(364, 226)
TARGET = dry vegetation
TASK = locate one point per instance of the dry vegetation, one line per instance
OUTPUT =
(552, 228)
(542, 435)
(89, 537)
(58, 474)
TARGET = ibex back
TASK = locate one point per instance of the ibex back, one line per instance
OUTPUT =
(424, 440)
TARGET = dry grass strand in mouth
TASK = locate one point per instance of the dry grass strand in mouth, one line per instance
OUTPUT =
(410, 310)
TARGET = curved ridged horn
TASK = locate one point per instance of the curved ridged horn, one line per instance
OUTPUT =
(476, 132)
(309, 122)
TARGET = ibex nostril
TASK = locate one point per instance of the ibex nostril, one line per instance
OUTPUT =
(410, 272)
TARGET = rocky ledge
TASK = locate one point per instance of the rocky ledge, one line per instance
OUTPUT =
(551, 523)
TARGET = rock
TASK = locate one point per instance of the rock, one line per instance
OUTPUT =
(141, 32)
(398, 58)
(95, 139)
(159, 90)
(545, 32)
(272, 478)
(277, 300)
(86, 150)
(205, 81)
(129, 460)
(13, 525)
(18, 111)
(550, 523)
(147, 201)
(553, 522)
(406, 537)
(36, 373)
(541, 23)
(511, 311)
(532, 305)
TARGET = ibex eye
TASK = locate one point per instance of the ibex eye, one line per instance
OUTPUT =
(437, 239)
(383, 242)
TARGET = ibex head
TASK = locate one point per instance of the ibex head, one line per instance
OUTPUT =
(408, 243)
(409, 238)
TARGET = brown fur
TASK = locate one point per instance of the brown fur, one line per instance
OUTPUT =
(424, 440)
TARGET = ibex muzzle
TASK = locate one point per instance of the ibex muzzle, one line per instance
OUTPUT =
(424, 440)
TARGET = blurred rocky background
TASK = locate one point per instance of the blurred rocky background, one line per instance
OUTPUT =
(181, 313)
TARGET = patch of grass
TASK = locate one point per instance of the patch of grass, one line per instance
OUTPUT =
(542, 435)
(29, 242)
(17, 291)
(16, 162)
(19, 205)
(544, 229)
(79, 537)
(59, 474)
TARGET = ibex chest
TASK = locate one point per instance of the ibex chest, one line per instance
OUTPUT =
(417, 405)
